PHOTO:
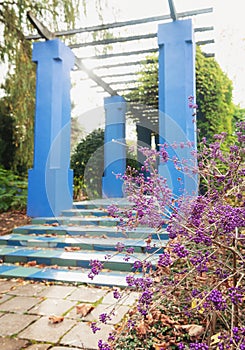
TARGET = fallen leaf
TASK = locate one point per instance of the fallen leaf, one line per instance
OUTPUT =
(56, 319)
(193, 330)
(72, 249)
(162, 346)
(141, 329)
(84, 309)
(54, 266)
(215, 339)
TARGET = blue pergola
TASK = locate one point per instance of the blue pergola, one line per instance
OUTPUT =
(50, 180)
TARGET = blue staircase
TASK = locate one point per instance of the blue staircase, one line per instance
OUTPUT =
(60, 249)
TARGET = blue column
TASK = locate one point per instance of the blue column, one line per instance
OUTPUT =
(50, 180)
(143, 140)
(176, 85)
(114, 147)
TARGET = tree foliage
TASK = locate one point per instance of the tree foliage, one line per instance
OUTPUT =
(213, 94)
(15, 52)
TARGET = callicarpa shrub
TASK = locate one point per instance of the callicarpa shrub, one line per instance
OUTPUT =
(191, 293)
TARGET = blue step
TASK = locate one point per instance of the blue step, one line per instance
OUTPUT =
(77, 221)
(86, 231)
(60, 257)
(85, 212)
(100, 244)
(64, 275)
(70, 241)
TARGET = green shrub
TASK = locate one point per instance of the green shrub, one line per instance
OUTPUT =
(87, 162)
(13, 191)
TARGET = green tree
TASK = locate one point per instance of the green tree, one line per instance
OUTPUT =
(213, 90)
(15, 53)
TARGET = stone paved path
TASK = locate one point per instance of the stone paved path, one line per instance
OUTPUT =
(25, 308)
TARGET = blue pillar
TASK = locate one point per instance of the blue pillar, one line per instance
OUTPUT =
(143, 140)
(50, 180)
(176, 85)
(114, 146)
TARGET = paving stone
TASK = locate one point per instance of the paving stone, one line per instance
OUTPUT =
(63, 348)
(82, 336)
(12, 344)
(27, 290)
(85, 294)
(128, 298)
(39, 347)
(119, 313)
(4, 297)
(19, 304)
(73, 312)
(12, 324)
(52, 307)
(57, 292)
(6, 285)
(44, 330)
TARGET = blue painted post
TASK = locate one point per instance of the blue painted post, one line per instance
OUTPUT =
(114, 146)
(143, 140)
(176, 85)
(50, 180)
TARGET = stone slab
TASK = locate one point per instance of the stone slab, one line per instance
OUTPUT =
(119, 313)
(127, 298)
(39, 347)
(89, 295)
(12, 323)
(6, 285)
(82, 336)
(4, 297)
(12, 344)
(44, 330)
(58, 292)
(63, 348)
(52, 307)
(19, 304)
(27, 290)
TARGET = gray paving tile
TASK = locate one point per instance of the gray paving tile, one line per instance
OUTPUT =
(6, 285)
(127, 298)
(86, 294)
(82, 336)
(52, 307)
(5, 297)
(63, 348)
(119, 313)
(73, 312)
(39, 347)
(27, 290)
(19, 304)
(44, 330)
(12, 324)
(12, 344)
(59, 292)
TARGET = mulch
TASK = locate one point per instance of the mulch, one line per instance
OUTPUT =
(11, 219)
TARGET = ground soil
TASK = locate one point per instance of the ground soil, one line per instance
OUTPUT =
(12, 219)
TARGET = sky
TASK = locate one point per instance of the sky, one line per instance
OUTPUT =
(227, 19)
(229, 47)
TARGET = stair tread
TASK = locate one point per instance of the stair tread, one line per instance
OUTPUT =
(110, 279)
(75, 255)
(78, 240)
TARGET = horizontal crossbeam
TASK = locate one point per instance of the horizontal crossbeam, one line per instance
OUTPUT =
(123, 23)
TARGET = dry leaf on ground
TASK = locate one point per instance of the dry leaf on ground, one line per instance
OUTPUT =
(56, 319)
(84, 309)
(193, 330)
(72, 249)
